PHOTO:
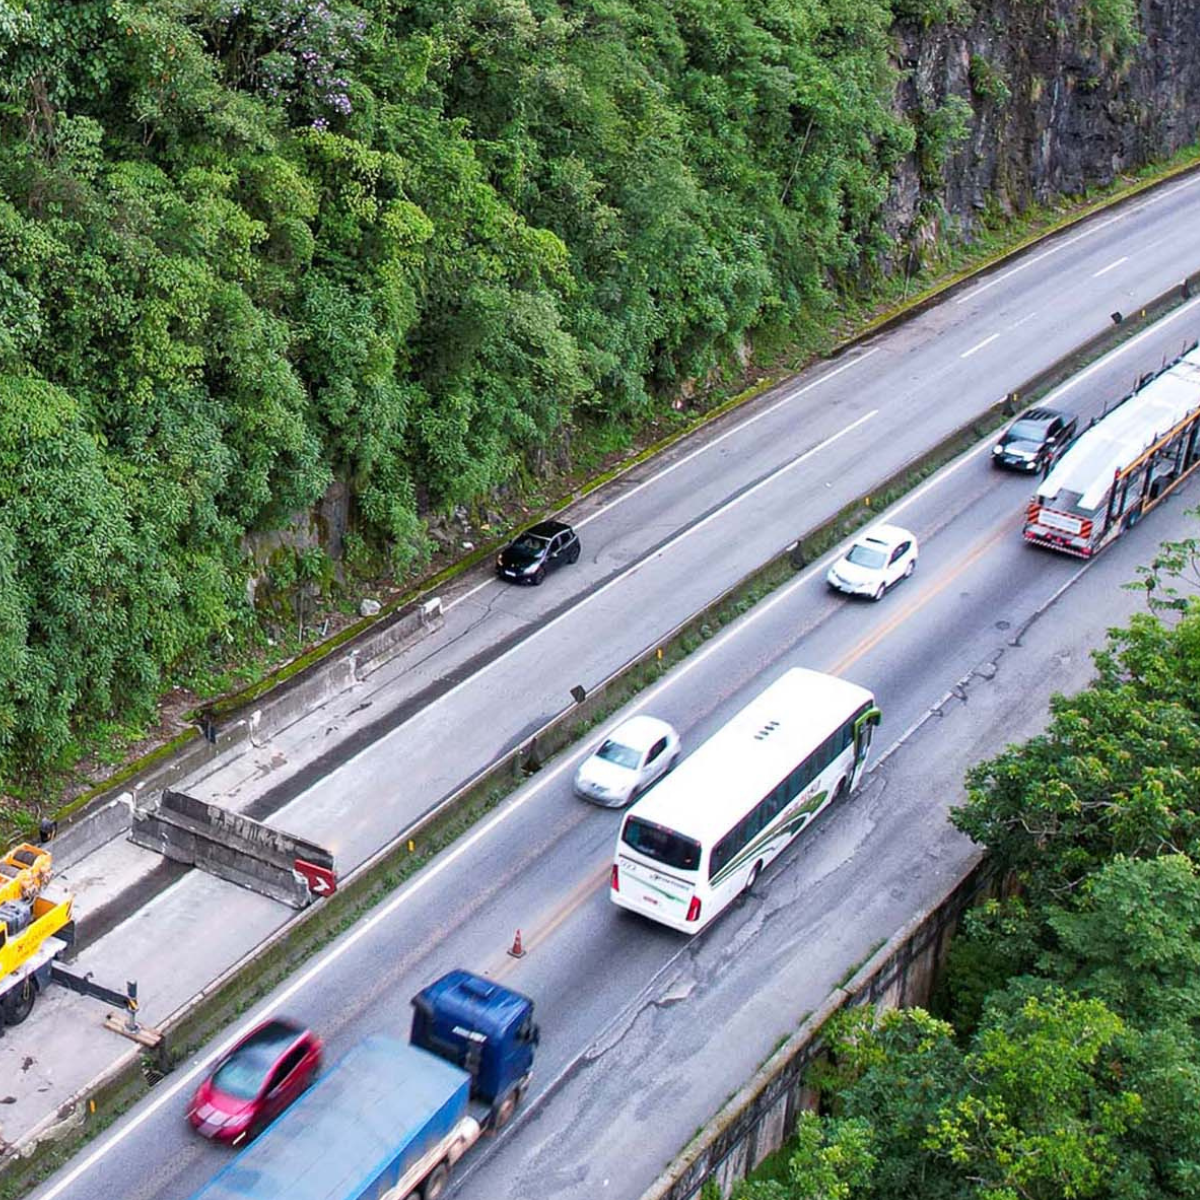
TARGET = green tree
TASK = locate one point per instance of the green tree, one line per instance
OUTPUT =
(892, 1076)
(1045, 1114)
(1132, 939)
(1116, 772)
(831, 1160)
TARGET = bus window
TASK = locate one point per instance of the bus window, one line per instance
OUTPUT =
(662, 845)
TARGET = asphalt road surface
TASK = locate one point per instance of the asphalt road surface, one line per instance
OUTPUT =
(645, 1032)
(659, 544)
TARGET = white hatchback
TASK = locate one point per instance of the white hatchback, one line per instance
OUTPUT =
(879, 557)
(636, 754)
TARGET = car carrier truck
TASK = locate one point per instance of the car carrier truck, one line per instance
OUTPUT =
(392, 1118)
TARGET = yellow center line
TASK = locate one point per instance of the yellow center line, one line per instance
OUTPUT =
(950, 577)
(571, 903)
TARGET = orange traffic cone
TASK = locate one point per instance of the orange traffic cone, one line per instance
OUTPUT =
(516, 949)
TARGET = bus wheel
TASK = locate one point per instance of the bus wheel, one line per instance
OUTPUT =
(18, 1003)
(435, 1182)
(753, 879)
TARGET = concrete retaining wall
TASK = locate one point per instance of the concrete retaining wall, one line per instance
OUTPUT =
(759, 1119)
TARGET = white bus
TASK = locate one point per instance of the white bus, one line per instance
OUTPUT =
(704, 834)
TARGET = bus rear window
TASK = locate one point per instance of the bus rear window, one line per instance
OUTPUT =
(663, 845)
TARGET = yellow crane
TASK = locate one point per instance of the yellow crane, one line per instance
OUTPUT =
(24, 871)
(35, 928)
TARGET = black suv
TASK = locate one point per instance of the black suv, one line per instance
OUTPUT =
(538, 550)
(1034, 440)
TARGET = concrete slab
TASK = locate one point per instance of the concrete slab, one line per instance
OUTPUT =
(182, 940)
(106, 874)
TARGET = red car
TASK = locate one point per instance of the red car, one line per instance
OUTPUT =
(256, 1081)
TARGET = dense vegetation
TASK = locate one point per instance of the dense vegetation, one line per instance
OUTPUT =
(1067, 1064)
(249, 248)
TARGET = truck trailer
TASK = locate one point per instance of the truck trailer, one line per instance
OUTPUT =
(392, 1118)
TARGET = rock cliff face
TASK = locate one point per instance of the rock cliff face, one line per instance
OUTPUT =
(1051, 111)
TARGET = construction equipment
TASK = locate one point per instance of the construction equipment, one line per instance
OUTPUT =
(33, 933)
(35, 930)
(24, 872)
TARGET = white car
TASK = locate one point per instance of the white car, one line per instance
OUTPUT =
(879, 557)
(632, 757)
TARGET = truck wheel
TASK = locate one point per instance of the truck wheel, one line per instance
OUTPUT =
(504, 1111)
(436, 1182)
(18, 1003)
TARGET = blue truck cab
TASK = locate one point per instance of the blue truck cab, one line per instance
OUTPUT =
(483, 1027)
(393, 1118)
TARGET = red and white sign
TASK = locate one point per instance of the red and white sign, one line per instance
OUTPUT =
(321, 881)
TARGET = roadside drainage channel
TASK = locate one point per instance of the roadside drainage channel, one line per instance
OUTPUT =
(227, 725)
(42, 1149)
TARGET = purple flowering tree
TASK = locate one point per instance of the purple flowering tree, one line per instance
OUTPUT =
(293, 52)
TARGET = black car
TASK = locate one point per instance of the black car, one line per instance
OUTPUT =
(1034, 440)
(547, 545)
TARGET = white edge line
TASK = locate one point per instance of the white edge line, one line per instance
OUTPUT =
(687, 458)
(443, 862)
(1087, 372)
(1156, 198)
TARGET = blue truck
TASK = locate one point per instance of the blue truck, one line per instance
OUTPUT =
(392, 1117)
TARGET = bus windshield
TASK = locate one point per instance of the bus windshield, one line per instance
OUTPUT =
(662, 845)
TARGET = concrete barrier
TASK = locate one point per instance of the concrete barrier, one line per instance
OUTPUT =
(229, 845)
(376, 648)
(75, 841)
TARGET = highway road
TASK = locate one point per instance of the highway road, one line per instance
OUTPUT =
(645, 1033)
(659, 543)
(670, 535)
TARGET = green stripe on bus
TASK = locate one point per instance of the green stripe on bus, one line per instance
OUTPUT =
(660, 891)
(797, 817)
